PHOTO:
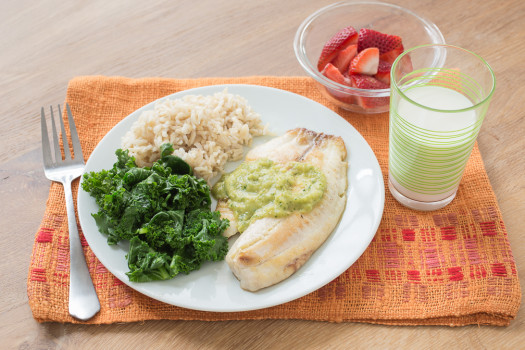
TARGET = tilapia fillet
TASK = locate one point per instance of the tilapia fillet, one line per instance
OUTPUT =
(271, 249)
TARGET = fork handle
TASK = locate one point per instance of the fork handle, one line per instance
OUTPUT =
(83, 300)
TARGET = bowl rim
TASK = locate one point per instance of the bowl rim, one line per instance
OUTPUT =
(305, 63)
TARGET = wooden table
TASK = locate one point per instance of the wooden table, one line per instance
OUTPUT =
(44, 44)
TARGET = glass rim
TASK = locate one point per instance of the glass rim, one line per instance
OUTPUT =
(394, 85)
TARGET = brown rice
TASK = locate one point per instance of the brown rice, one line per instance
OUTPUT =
(206, 131)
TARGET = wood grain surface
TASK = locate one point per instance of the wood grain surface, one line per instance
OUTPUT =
(46, 43)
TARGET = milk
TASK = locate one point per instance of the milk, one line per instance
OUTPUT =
(429, 148)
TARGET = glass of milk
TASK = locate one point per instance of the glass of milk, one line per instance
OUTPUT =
(439, 98)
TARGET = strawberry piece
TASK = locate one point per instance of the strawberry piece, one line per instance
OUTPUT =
(333, 73)
(346, 36)
(372, 38)
(366, 62)
(391, 55)
(383, 72)
(343, 59)
(390, 46)
(367, 82)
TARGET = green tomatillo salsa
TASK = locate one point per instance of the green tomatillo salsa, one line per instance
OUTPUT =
(262, 188)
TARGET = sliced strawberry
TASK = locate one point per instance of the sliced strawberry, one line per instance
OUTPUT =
(346, 36)
(367, 82)
(332, 73)
(342, 60)
(372, 38)
(370, 83)
(366, 62)
(391, 55)
(383, 72)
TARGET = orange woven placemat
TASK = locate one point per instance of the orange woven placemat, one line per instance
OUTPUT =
(451, 267)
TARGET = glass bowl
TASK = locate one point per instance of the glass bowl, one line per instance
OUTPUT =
(319, 27)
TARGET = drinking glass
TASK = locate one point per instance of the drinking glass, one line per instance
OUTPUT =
(439, 97)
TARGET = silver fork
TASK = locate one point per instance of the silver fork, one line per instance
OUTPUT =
(83, 300)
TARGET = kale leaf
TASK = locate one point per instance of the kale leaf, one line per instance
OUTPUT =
(164, 212)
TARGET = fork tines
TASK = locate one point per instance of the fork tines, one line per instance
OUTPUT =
(77, 150)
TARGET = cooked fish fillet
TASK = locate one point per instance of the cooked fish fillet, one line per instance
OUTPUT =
(271, 249)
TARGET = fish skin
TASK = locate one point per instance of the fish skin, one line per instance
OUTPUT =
(272, 249)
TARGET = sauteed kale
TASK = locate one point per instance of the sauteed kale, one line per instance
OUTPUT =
(164, 212)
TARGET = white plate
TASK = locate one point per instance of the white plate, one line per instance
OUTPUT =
(214, 287)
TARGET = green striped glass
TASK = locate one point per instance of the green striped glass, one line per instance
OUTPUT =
(439, 96)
